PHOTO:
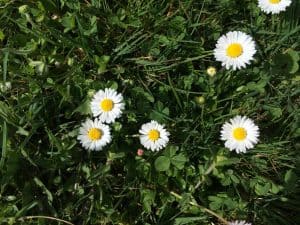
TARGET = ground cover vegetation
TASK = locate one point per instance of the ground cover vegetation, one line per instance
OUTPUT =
(57, 54)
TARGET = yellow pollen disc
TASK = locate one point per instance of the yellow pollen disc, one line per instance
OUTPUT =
(239, 133)
(274, 1)
(234, 50)
(153, 135)
(107, 105)
(95, 134)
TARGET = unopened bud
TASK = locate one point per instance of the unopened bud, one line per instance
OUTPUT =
(211, 71)
(5, 86)
(140, 152)
(200, 100)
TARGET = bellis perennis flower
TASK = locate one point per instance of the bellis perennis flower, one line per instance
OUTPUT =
(273, 6)
(107, 105)
(235, 50)
(239, 223)
(93, 135)
(154, 136)
(240, 134)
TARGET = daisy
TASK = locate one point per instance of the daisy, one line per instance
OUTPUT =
(235, 49)
(154, 136)
(93, 135)
(239, 223)
(107, 105)
(273, 6)
(240, 134)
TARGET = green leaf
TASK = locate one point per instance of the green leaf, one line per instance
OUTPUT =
(84, 108)
(286, 62)
(68, 21)
(222, 160)
(215, 202)
(93, 28)
(234, 178)
(101, 62)
(160, 112)
(262, 189)
(115, 155)
(44, 188)
(148, 199)
(275, 188)
(170, 151)
(142, 92)
(276, 112)
(179, 161)
(2, 36)
(290, 180)
(187, 220)
(7, 113)
(162, 163)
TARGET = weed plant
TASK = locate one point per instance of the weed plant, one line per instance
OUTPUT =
(55, 54)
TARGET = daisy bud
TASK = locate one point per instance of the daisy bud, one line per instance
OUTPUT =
(140, 152)
(211, 71)
(200, 100)
(54, 17)
(5, 86)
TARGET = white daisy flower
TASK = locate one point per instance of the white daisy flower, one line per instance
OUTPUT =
(93, 135)
(154, 136)
(107, 105)
(239, 223)
(240, 134)
(235, 49)
(273, 6)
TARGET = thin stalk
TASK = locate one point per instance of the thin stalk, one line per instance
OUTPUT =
(203, 208)
(4, 144)
(4, 127)
(44, 217)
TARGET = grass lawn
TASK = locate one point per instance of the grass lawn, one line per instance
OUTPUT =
(58, 56)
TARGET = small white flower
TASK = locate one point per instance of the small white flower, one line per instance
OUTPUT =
(240, 134)
(235, 50)
(154, 136)
(239, 223)
(93, 135)
(107, 105)
(273, 6)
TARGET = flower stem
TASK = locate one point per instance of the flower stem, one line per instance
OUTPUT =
(44, 217)
(203, 208)
(4, 127)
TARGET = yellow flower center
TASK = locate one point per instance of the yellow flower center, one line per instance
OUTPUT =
(234, 50)
(95, 134)
(239, 133)
(153, 135)
(107, 105)
(274, 1)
